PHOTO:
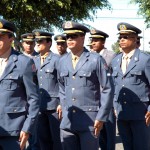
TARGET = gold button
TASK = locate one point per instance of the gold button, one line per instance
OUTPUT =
(124, 93)
(73, 77)
(90, 109)
(15, 110)
(125, 102)
(74, 111)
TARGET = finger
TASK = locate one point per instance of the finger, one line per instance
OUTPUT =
(148, 121)
(20, 137)
(23, 143)
(59, 115)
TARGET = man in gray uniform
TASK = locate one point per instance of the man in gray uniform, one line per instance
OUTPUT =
(61, 44)
(19, 102)
(85, 107)
(50, 110)
(131, 72)
(108, 133)
(28, 44)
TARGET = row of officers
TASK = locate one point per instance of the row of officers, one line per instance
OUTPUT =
(72, 102)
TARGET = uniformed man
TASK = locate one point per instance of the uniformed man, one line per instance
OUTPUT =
(19, 102)
(108, 133)
(61, 44)
(28, 44)
(131, 72)
(85, 107)
(50, 110)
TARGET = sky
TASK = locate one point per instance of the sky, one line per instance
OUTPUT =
(122, 11)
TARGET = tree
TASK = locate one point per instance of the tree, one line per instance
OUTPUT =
(144, 10)
(115, 47)
(32, 14)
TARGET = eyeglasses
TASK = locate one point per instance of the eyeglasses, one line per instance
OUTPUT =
(125, 37)
(72, 36)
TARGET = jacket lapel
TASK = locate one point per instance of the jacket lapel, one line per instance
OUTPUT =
(82, 60)
(10, 65)
(133, 61)
(69, 62)
(118, 64)
(47, 60)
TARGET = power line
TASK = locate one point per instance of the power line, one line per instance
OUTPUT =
(116, 18)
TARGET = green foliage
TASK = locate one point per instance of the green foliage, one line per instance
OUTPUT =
(144, 9)
(115, 47)
(33, 14)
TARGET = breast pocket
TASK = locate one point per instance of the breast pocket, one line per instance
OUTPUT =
(49, 73)
(85, 78)
(135, 77)
(64, 75)
(115, 77)
(11, 82)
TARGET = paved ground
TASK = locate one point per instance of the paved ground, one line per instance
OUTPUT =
(118, 143)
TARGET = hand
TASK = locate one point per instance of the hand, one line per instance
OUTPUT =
(115, 112)
(59, 111)
(23, 139)
(98, 125)
(147, 117)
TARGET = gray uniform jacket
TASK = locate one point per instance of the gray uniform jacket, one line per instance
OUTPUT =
(19, 102)
(47, 80)
(80, 95)
(108, 56)
(132, 89)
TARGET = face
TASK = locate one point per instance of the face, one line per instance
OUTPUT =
(43, 46)
(75, 42)
(127, 42)
(5, 43)
(28, 46)
(97, 44)
(61, 47)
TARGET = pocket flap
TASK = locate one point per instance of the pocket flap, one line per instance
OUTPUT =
(14, 109)
(12, 76)
(64, 73)
(136, 72)
(90, 108)
(84, 73)
(49, 70)
(115, 73)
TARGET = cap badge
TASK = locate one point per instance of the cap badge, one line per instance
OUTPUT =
(37, 33)
(1, 25)
(93, 31)
(59, 38)
(68, 24)
(123, 27)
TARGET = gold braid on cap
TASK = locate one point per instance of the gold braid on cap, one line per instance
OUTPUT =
(73, 31)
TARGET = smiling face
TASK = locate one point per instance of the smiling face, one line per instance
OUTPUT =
(127, 42)
(75, 42)
(5, 43)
